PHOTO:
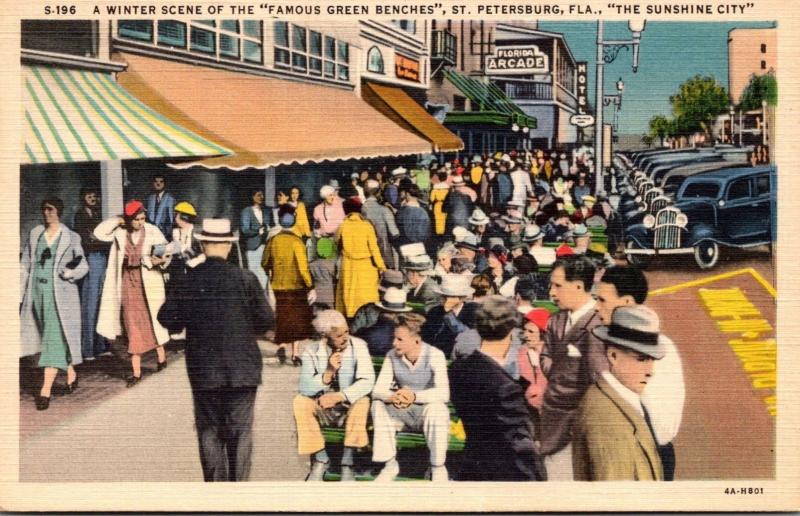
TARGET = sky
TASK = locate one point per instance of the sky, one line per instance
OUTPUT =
(669, 54)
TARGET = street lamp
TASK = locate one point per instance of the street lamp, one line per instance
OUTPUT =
(731, 112)
(607, 51)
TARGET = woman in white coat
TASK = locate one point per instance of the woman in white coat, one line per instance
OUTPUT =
(134, 286)
(50, 314)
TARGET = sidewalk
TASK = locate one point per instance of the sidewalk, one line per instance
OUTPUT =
(146, 434)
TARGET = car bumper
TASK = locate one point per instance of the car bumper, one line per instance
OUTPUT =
(659, 252)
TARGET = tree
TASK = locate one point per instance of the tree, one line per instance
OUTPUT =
(697, 104)
(647, 140)
(660, 127)
(760, 87)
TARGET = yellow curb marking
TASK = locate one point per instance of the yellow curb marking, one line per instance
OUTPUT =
(732, 311)
(764, 283)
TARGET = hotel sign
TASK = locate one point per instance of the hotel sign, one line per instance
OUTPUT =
(583, 87)
(406, 68)
(526, 60)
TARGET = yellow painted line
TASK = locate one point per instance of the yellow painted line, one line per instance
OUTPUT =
(696, 283)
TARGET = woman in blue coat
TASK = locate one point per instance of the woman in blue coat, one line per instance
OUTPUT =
(53, 261)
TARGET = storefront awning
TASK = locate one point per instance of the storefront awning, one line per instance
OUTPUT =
(397, 105)
(265, 121)
(78, 115)
(486, 97)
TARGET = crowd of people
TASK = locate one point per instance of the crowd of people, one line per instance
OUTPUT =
(476, 282)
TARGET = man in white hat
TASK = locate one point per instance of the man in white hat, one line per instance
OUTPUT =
(458, 205)
(379, 336)
(328, 214)
(534, 237)
(581, 237)
(412, 391)
(469, 250)
(613, 436)
(423, 291)
(479, 224)
(391, 193)
(521, 181)
(223, 310)
(454, 316)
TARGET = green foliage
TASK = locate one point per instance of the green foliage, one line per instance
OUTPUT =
(696, 105)
(660, 127)
(760, 87)
(648, 140)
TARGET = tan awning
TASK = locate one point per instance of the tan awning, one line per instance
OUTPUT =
(397, 105)
(265, 121)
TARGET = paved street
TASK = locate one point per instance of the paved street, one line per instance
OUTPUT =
(146, 433)
(105, 432)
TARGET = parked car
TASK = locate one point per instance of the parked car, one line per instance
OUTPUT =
(728, 208)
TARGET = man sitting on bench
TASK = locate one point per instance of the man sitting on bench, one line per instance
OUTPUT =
(411, 393)
(335, 381)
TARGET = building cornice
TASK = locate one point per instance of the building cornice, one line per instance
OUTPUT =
(70, 61)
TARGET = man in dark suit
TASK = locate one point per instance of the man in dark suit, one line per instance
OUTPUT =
(161, 206)
(223, 310)
(455, 315)
(572, 359)
(492, 404)
(423, 294)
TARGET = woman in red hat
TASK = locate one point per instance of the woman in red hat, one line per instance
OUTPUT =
(133, 291)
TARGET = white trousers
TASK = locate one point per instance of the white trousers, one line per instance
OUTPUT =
(433, 419)
(559, 465)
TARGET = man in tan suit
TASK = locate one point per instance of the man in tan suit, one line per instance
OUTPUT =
(613, 437)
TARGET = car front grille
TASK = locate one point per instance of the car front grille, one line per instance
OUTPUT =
(658, 204)
(667, 232)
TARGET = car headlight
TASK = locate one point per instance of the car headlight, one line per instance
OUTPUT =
(638, 198)
(681, 220)
(649, 221)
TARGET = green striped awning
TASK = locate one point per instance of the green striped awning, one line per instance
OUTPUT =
(486, 97)
(77, 115)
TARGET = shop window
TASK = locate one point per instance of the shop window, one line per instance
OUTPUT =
(375, 60)
(172, 33)
(459, 103)
(310, 52)
(203, 40)
(141, 30)
(73, 37)
(232, 40)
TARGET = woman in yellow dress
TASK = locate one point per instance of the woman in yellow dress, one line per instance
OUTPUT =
(361, 260)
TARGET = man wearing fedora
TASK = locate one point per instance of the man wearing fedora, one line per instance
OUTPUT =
(469, 250)
(458, 205)
(572, 359)
(380, 335)
(412, 391)
(454, 316)
(534, 237)
(614, 438)
(223, 310)
(335, 381)
(368, 314)
(623, 285)
(423, 291)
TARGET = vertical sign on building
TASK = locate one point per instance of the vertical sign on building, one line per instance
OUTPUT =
(583, 88)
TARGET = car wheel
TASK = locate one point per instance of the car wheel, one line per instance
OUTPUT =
(641, 261)
(706, 254)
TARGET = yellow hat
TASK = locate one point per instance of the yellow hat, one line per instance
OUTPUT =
(186, 208)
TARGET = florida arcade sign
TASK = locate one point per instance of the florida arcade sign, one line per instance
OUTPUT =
(527, 59)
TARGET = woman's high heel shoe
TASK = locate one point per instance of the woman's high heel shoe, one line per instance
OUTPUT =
(42, 402)
(72, 386)
(160, 366)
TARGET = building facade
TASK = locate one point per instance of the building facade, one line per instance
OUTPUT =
(750, 52)
(522, 81)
